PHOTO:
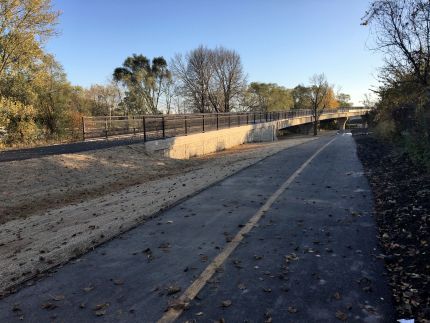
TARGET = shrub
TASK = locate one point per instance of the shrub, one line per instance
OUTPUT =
(385, 129)
(417, 147)
(17, 120)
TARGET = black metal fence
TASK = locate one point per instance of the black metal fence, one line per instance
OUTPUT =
(152, 127)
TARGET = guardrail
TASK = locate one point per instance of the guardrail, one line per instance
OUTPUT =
(153, 127)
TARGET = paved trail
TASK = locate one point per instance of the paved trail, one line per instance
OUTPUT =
(68, 148)
(309, 256)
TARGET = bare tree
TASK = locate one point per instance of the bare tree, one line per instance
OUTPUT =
(180, 104)
(319, 91)
(229, 78)
(368, 101)
(194, 72)
(168, 89)
(211, 80)
(402, 32)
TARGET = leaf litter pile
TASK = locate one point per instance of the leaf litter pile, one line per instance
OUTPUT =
(402, 211)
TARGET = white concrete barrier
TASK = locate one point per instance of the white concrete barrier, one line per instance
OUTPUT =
(208, 142)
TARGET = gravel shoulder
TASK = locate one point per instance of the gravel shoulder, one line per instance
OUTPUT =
(58, 207)
(402, 211)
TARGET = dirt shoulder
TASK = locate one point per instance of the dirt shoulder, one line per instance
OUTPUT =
(402, 211)
(39, 184)
(56, 208)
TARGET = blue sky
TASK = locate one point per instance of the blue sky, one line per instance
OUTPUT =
(282, 42)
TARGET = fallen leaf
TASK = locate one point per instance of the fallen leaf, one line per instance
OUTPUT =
(173, 289)
(268, 317)
(118, 281)
(100, 306)
(292, 309)
(88, 289)
(165, 246)
(226, 303)
(341, 315)
(48, 306)
(58, 297)
(100, 312)
(148, 254)
(179, 305)
(237, 264)
(290, 257)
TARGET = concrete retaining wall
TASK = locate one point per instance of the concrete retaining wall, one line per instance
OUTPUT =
(204, 143)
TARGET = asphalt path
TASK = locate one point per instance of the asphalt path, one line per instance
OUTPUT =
(310, 254)
(69, 148)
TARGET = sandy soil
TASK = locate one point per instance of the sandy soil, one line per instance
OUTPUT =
(35, 185)
(55, 208)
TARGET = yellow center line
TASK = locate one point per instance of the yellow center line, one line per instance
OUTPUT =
(191, 292)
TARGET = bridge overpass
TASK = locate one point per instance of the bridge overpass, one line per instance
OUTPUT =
(190, 135)
(183, 136)
(340, 115)
(152, 127)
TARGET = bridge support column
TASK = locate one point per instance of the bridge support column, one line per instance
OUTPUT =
(342, 123)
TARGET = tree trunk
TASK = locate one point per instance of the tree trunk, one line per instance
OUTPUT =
(315, 127)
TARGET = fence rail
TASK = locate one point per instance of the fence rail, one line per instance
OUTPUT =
(152, 127)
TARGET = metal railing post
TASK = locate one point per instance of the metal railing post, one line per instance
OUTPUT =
(83, 128)
(203, 123)
(217, 122)
(106, 129)
(144, 128)
(247, 118)
(254, 116)
(185, 124)
(164, 127)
